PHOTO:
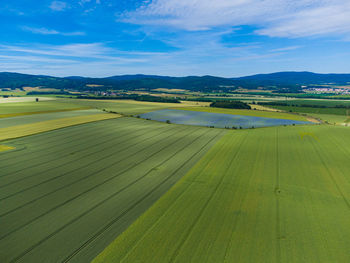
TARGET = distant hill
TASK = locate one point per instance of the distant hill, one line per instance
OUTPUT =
(301, 78)
(280, 81)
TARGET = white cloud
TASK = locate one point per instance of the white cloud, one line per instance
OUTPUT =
(82, 2)
(58, 6)
(276, 18)
(332, 18)
(46, 31)
(96, 59)
(76, 52)
(286, 48)
(92, 59)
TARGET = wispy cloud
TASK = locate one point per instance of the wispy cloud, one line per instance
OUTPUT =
(58, 6)
(46, 31)
(82, 2)
(275, 18)
(285, 48)
(94, 59)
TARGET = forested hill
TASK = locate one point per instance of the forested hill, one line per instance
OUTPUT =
(281, 81)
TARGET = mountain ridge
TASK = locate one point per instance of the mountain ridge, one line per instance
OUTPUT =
(290, 81)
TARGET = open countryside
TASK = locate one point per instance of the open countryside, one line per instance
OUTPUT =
(166, 131)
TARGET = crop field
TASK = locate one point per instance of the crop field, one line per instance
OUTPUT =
(66, 194)
(332, 119)
(278, 194)
(33, 118)
(328, 107)
(319, 102)
(254, 113)
(131, 107)
(44, 126)
(217, 120)
(28, 108)
(16, 92)
(329, 111)
(22, 99)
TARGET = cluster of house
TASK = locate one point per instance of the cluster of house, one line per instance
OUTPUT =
(334, 90)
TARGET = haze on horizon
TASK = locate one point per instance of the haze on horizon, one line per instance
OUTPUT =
(98, 38)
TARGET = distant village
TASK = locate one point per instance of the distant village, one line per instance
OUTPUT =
(327, 89)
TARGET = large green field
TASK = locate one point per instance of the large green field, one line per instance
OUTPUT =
(66, 194)
(130, 107)
(265, 195)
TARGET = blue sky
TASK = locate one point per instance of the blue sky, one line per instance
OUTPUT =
(228, 38)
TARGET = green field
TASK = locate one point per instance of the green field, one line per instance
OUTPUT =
(128, 107)
(66, 194)
(34, 118)
(283, 198)
(329, 111)
(18, 131)
(331, 119)
(319, 102)
(28, 108)
(328, 107)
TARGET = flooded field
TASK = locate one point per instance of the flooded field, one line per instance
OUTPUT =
(217, 120)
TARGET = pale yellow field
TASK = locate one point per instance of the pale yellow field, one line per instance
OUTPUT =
(34, 128)
(260, 107)
(22, 99)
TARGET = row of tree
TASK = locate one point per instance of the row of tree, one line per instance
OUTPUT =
(230, 105)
